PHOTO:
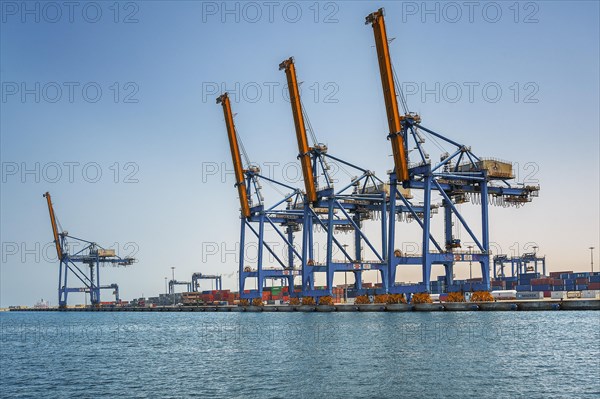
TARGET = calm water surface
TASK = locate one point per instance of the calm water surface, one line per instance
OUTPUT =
(300, 355)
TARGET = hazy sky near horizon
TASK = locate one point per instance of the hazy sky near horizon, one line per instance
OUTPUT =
(111, 107)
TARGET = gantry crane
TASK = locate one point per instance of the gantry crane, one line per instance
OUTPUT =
(113, 287)
(335, 211)
(284, 222)
(460, 176)
(92, 255)
(526, 263)
(173, 283)
(200, 276)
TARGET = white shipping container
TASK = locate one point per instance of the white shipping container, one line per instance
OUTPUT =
(558, 295)
(594, 294)
(573, 294)
(504, 294)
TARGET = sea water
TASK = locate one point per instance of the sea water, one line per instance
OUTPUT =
(300, 355)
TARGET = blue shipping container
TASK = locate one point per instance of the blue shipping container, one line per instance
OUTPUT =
(541, 287)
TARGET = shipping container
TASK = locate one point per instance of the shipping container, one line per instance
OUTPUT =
(558, 295)
(504, 294)
(594, 286)
(573, 294)
(579, 275)
(523, 288)
(594, 294)
(559, 274)
(541, 287)
(530, 295)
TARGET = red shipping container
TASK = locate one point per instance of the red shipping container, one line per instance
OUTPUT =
(557, 274)
(593, 286)
(584, 280)
(542, 281)
(547, 294)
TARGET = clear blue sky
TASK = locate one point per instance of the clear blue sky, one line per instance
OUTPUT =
(156, 121)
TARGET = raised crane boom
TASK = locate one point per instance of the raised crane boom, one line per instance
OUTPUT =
(303, 148)
(389, 94)
(54, 227)
(235, 154)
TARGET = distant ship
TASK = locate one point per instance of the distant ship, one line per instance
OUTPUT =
(41, 304)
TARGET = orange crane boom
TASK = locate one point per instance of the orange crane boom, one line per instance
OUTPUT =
(303, 148)
(389, 94)
(54, 227)
(235, 154)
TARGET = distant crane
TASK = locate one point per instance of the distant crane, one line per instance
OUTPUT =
(173, 283)
(92, 255)
(113, 287)
(525, 263)
(200, 276)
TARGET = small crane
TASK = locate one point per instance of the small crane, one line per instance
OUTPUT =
(200, 276)
(92, 256)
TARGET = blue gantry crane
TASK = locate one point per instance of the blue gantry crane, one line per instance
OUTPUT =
(529, 262)
(282, 217)
(91, 256)
(332, 210)
(173, 283)
(200, 276)
(460, 176)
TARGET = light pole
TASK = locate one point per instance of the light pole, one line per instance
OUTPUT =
(592, 258)
(173, 274)
(470, 261)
